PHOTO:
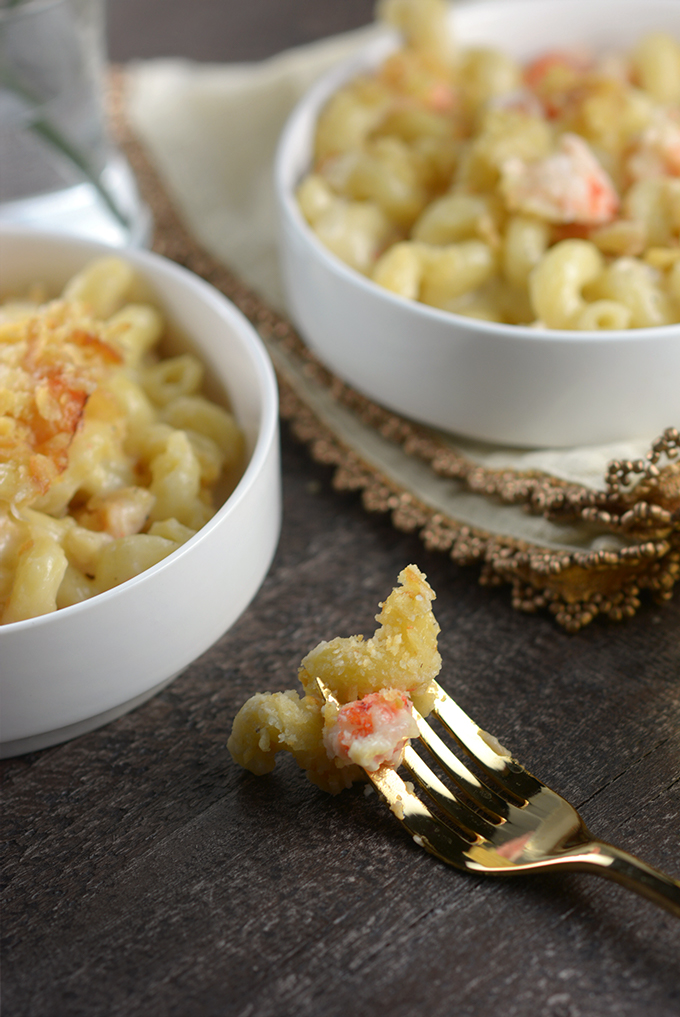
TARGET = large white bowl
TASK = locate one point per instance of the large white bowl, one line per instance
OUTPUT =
(498, 383)
(68, 672)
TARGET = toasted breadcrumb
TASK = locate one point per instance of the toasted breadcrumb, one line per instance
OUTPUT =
(51, 361)
(402, 655)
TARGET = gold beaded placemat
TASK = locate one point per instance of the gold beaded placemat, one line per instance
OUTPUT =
(588, 550)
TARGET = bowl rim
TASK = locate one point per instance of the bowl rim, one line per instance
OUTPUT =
(285, 181)
(267, 433)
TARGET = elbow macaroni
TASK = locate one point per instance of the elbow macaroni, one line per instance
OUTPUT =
(544, 195)
(109, 454)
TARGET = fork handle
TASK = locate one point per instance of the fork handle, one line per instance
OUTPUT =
(604, 859)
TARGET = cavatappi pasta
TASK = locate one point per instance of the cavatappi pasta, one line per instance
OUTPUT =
(545, 194)
(109, 454)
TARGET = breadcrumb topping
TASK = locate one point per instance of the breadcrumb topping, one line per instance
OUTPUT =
(51, 360)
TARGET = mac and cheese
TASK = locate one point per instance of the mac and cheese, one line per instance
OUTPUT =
(109, 454)
(545, 194)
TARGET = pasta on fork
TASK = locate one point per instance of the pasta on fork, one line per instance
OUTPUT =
(109, 454)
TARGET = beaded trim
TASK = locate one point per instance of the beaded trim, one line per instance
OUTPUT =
(640, 501)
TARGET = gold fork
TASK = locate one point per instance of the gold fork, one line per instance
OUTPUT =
(514, 824)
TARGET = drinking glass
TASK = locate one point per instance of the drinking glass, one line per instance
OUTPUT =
(58, 167)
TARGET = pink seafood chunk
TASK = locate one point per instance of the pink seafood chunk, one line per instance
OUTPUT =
(372, 731)
(569, 185)
(657, 152)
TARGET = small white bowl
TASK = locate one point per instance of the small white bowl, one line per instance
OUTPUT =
(68, 672)
(498, 383)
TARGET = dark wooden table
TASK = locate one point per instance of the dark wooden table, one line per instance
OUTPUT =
(147, 876)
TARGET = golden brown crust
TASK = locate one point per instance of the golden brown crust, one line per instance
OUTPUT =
(50, 362)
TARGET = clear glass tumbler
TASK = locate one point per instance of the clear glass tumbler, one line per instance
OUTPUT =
(58, 167)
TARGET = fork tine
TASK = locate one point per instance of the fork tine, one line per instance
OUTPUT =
(480, 794)
(427, 831)
(470, 822)
(486, 750)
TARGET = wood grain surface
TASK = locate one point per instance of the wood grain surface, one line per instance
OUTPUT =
(145, 875)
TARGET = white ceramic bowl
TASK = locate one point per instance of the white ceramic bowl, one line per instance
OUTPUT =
(497, 383)
(68, 672)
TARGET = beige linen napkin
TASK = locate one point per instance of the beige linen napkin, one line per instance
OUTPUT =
(212, 131)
